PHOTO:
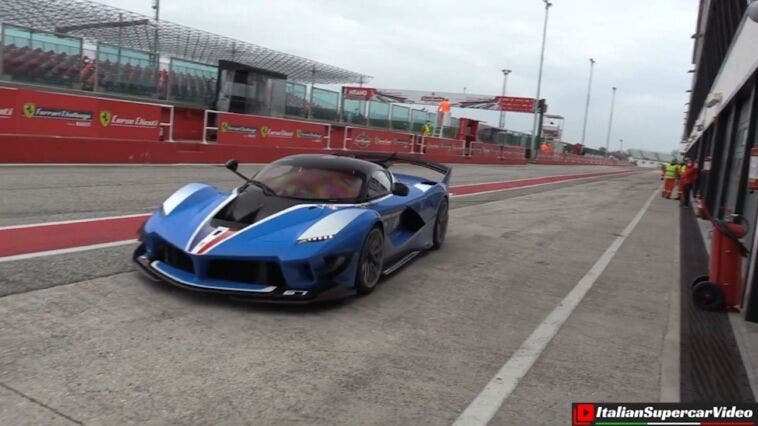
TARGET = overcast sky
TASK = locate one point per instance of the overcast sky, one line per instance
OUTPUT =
(641, 46)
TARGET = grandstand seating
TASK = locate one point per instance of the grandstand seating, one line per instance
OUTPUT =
(36, 65)
(27, 64)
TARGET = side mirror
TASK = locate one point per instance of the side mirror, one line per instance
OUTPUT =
(232, 165)
(400, 189)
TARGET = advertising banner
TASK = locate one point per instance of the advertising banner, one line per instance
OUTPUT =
(361, 139)
(513, 153)
(45, 113)
(460, 100)
(241, 129)
(445, 146)
(358, 93)
(128, 120)
(512, 103)
(481, 149)
(8, 111)
(56, 114)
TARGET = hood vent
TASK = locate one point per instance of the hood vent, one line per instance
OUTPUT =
(249, 207)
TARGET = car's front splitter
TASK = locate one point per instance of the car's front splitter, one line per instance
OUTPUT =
(159, 273)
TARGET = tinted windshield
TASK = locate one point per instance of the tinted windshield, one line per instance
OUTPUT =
(294, 181)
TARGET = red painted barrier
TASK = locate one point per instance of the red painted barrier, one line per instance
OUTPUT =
(254, 130)
(188, 123)
(486, 150)
(443, 146)
(8, 111)
(513, 155)
(37, 149)
(47, 127)
(566, 159)
(63, 115)
(364, 139)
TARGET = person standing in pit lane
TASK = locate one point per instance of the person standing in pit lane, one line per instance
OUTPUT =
(443, 112)
(669, 174)
(427, 129)
(687, 178)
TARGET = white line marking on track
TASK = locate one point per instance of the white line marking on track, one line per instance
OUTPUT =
(453, 195)
(609, 173)
(67, 222)
(64, 251)
(484, 407)
(670, 359)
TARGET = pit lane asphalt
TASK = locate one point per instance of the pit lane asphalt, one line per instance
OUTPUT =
(121, 349)
(34, 194)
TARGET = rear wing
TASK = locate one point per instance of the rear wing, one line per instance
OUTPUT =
(387, 159)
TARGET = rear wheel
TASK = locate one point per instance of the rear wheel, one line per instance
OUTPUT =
(708, 296)
(440, 225)
(370, 262)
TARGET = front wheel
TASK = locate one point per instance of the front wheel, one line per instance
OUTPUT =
(370, 262)
(440, 225)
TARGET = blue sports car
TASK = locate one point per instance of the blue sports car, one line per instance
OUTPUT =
(303, 227)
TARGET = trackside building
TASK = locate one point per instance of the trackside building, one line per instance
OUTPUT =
(720, 127)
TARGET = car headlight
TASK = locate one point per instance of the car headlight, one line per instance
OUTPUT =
(315, 239)
(328, 227)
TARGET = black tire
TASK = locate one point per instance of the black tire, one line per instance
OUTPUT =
(370, 262)
(440, 225)
(698, 280)
(708, 296)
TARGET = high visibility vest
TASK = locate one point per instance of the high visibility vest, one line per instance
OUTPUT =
(672, 170)
(427, 130)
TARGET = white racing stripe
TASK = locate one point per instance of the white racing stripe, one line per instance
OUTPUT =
(64, 251)
(484, 407)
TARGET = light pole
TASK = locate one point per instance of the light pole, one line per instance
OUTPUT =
(621, 143)
(610, 122)
(533, 150)
(505, 84)
(587, 104)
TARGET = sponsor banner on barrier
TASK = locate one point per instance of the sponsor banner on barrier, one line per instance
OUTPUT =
(45, 113)
(513, 151)
(434, 145)
(8, 110)
(378, 140)
(56, 114)
(485, 149)
(126, 120)
(240, 129)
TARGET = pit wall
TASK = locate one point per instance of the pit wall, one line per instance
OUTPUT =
(48, 127)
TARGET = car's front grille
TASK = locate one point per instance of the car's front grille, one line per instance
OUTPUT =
(172, 256)
(255, 272)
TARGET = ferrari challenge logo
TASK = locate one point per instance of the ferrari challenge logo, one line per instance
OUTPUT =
(29, 109)
(265, 131)
(105, 118)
